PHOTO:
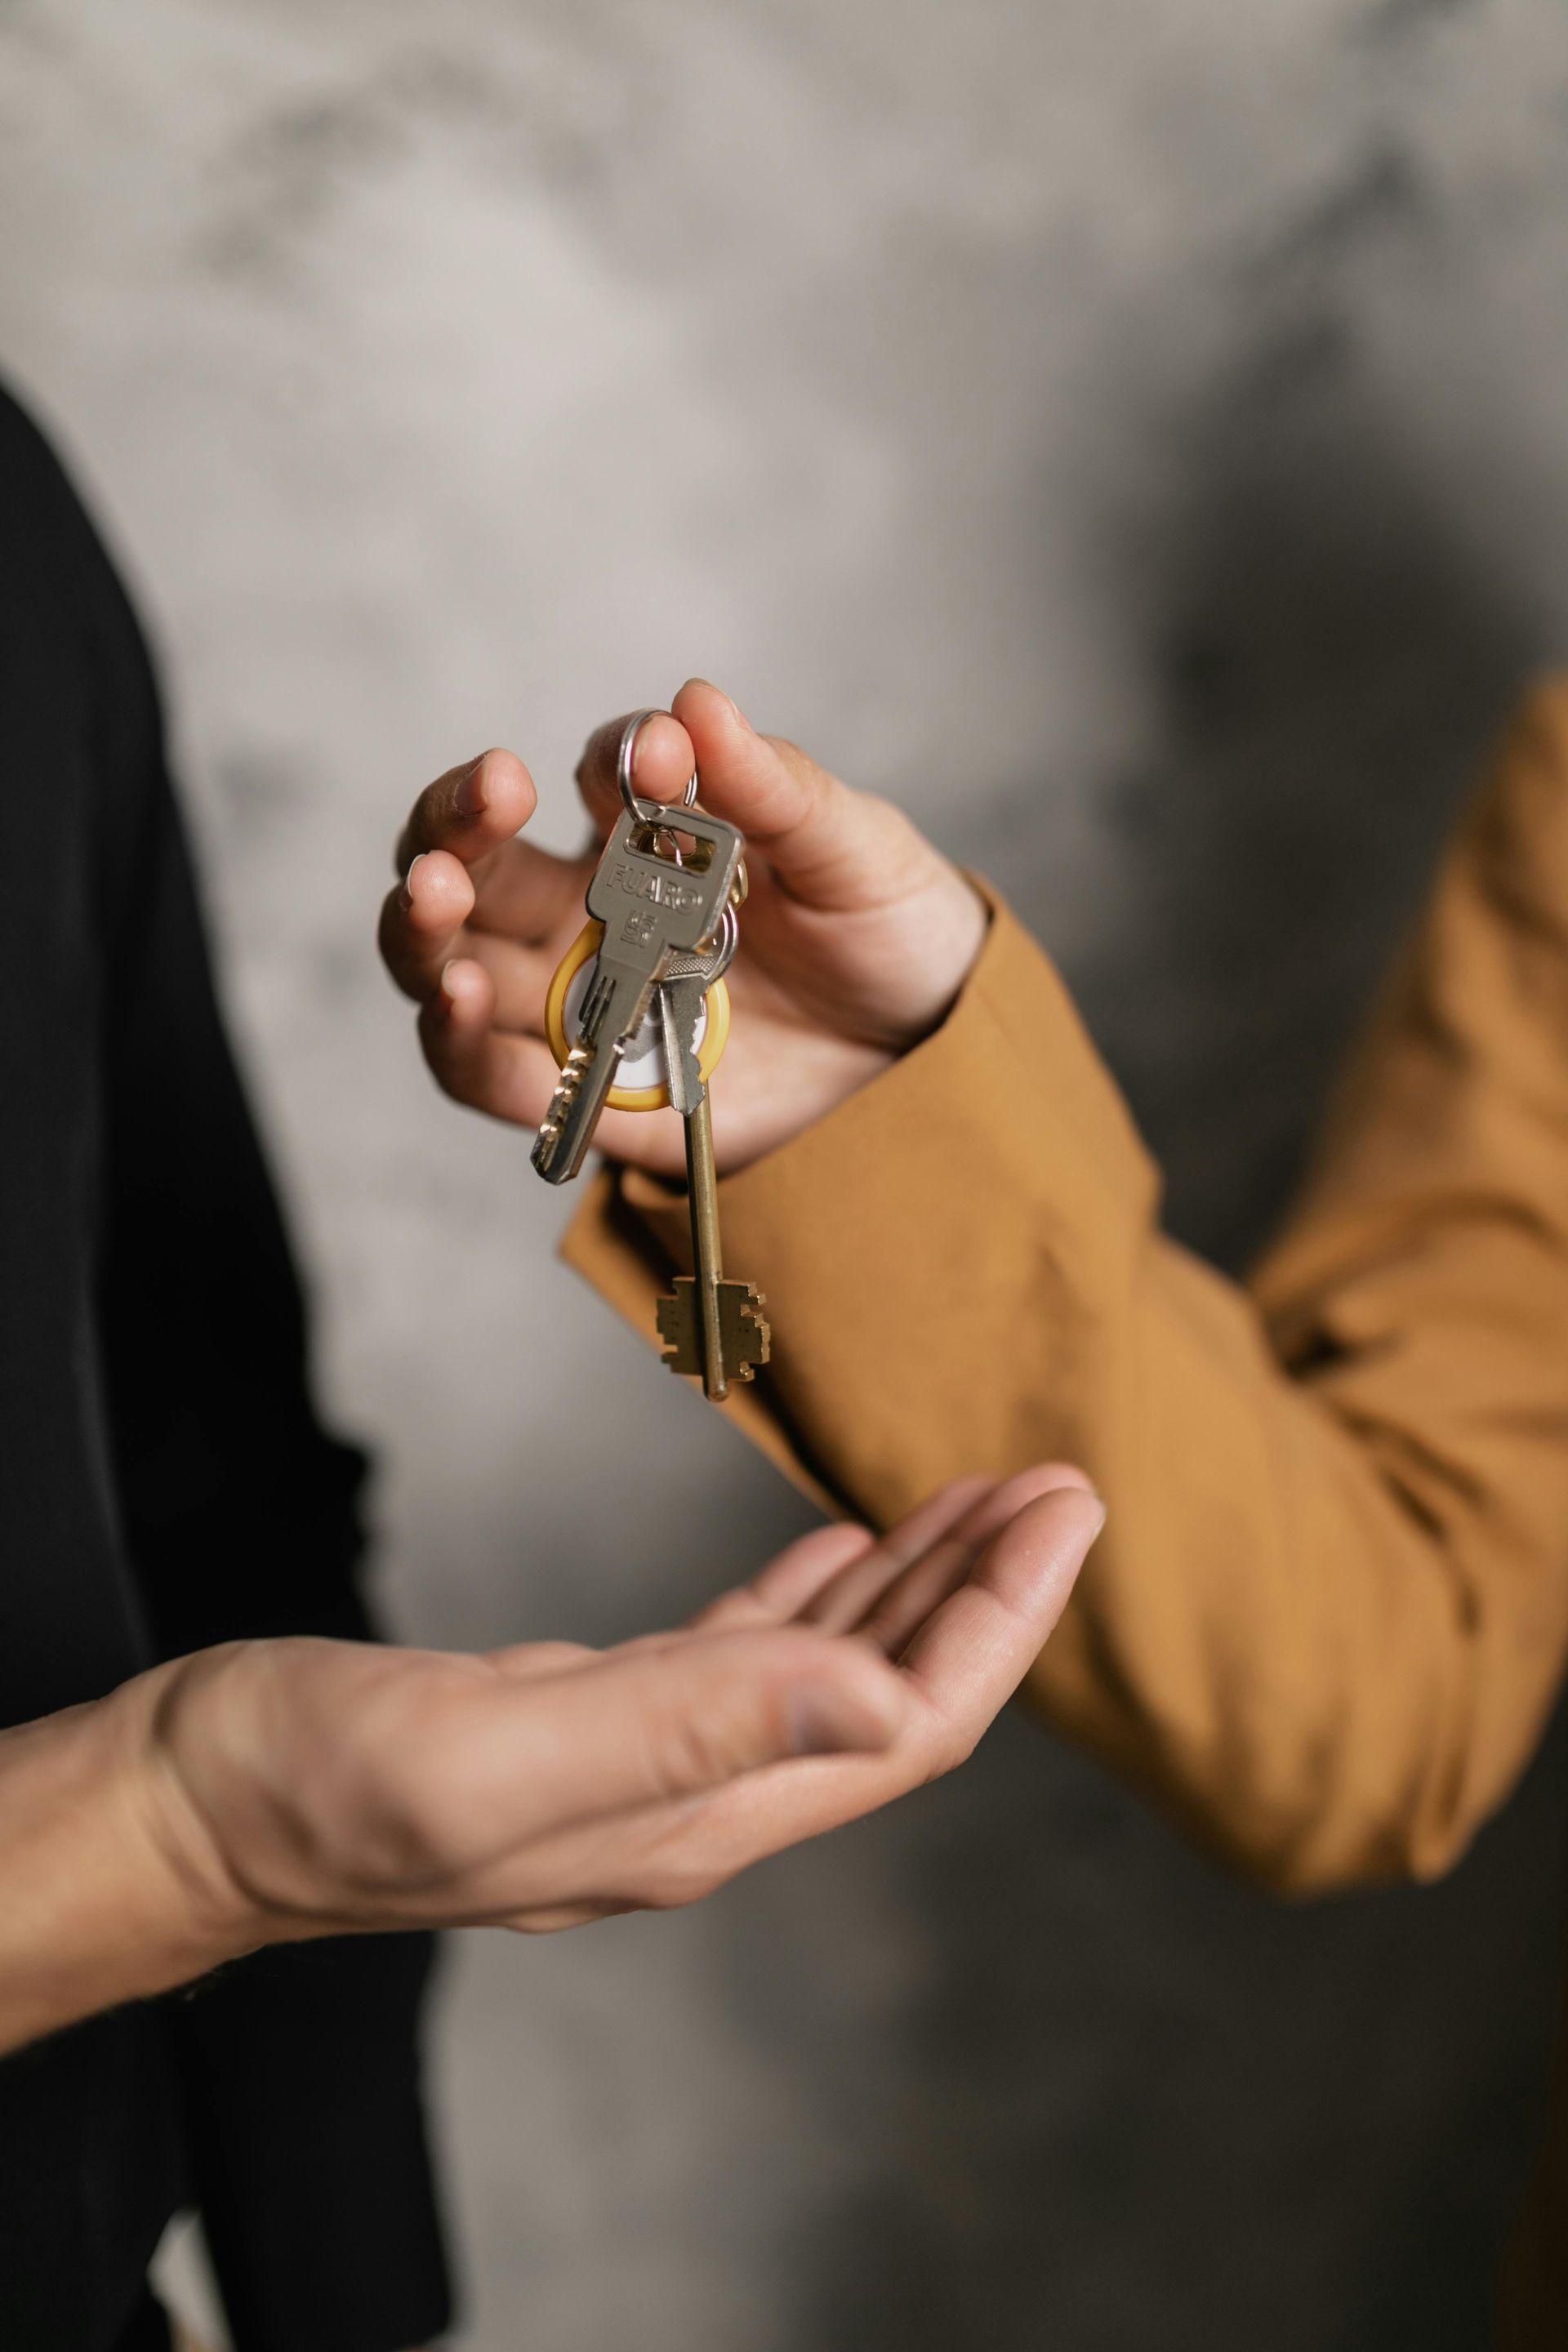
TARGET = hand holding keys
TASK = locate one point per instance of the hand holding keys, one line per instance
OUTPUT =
(857, 934)
(668, 927)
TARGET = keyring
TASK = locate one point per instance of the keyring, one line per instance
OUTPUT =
(714, 966)
(653, 813)
(709, 968)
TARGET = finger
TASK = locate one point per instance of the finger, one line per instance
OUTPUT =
(474, 1057)
(422, 919)
(663, 762)
(832, 847)
(653, 1726)
(676, 1851)
(528, 893)
(490, 1069)
(513, 1077)
(971, 1654)
(906, 1604)
(432, 921)
(670, 1854)
(519, 977)
(790, 1579)
(470, 810)
(521, 897)
(841, 1605)
(520, 980)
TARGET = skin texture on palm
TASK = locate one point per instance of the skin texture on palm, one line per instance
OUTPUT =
(855, 939)
(269, 1791)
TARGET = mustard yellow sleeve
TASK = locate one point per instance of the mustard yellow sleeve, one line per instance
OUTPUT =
(1330, 1609)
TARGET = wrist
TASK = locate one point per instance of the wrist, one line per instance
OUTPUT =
(183, 1857)
(962, 935)
(106, 1895)
(954, 918)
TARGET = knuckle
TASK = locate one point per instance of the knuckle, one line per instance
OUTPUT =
(903, 835)
(735, 1607)
(903, 849)
(454, 1080)
(405, 972)
(457, 1089)
(953, 1745)
(675, 1889)
(559, 1653)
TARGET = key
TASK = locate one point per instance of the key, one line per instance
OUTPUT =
(710, 1327)
(652, 908)
(640, 1077)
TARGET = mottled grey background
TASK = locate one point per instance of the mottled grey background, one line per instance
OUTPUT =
(1137, 437)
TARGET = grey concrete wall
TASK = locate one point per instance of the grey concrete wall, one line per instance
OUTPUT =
(1135, 436)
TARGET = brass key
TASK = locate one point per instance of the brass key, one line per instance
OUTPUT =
(710, 1327)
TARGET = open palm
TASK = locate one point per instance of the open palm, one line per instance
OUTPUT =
(309, 1787)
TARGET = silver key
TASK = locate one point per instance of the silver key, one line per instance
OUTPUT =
(681, 997)
(652, 908)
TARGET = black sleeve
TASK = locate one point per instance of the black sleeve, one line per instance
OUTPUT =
(301, 2066)
(239, 1512)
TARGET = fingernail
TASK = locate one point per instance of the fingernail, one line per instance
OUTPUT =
(472, 787)
(408, 881)
(831, 1723)
(448, 993)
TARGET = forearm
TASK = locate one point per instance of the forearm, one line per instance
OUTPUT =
(1329, 1611)
(96, 1905)
(966, 1275)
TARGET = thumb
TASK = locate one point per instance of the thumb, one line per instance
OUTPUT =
(650, 1724)
(836, 850)
(833, 849)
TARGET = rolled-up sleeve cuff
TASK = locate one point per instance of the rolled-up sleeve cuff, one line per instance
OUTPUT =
(967, 1201)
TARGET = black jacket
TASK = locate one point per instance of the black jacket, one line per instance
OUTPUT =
(163, 1483)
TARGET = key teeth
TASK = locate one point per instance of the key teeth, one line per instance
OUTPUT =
(745, 1338)
(573, 1070)
(756, 1332)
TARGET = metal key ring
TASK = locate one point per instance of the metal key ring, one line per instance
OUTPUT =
(729, 941)
(716, 962)
(655, 814)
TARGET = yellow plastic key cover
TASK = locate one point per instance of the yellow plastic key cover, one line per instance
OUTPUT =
(583, 949)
